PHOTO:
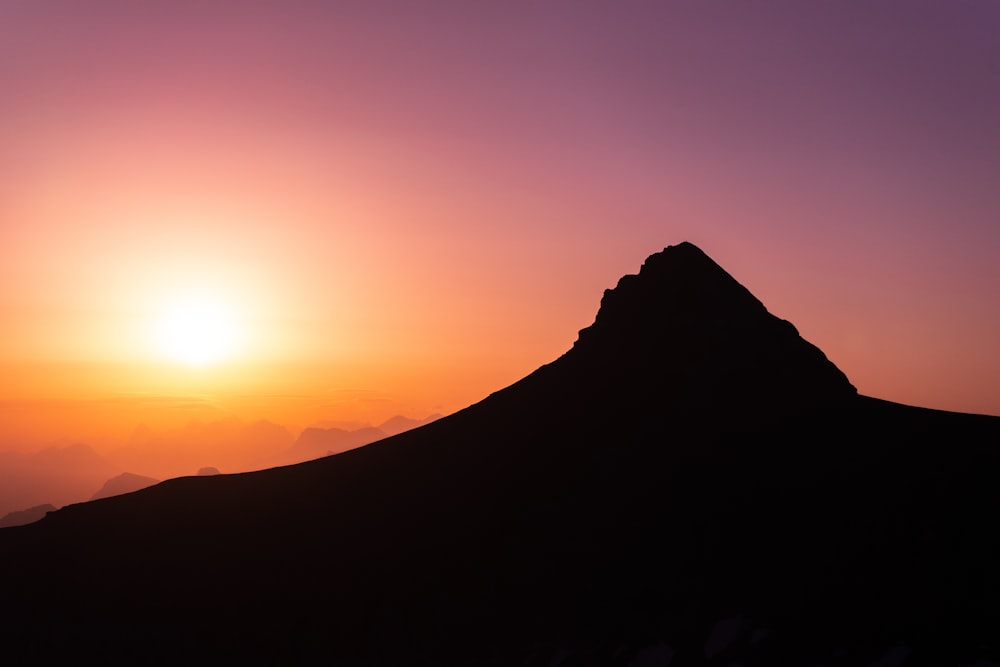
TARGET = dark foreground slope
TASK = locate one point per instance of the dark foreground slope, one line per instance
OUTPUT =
(692, 482)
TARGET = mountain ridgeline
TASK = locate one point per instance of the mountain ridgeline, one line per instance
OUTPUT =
(692, 483)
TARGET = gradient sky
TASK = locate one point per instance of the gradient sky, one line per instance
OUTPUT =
(408, 205)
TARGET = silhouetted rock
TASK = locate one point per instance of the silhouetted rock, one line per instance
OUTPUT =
(691, 483)
(686, 326)
(23, 517)
(123, 483)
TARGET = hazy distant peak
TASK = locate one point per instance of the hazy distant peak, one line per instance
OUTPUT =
(74, 448)
(316, 442)
(23, 517)
(75, 455)
(399, 423)
(124, 483)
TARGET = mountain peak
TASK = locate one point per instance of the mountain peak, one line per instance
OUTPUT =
(690, 328)
(680, 280)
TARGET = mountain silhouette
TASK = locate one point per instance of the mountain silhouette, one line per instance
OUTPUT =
(57, 475)
(228, 444)
(399, 423)
(22, 517)
(126, 482)
(692, 483)
(314, 442)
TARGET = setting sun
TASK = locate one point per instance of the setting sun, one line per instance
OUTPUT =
(197, 331)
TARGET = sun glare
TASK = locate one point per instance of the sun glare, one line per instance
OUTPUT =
(197, 331)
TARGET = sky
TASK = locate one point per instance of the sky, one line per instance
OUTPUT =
(378, 208)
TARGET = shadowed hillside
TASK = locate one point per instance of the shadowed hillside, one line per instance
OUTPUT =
(691, 483)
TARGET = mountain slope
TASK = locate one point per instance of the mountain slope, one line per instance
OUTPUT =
(690, 464)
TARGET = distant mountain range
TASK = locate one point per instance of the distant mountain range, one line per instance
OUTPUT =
(235, 446)
(123, 483)
(313, 443)
(24, 517)
(56, 475)
(230, 445)
(691, 484)
(67, 473)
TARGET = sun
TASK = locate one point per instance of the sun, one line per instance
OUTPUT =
(197, 331)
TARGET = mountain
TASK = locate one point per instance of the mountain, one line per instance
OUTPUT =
(399, 423)
(22, 517)
(124, 483)
(56, 475)
(692, 483)
(391, 426)
(336, 437)
(313, 443)
(229, 444)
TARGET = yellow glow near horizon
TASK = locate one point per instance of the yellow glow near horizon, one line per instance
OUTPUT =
(197, 331)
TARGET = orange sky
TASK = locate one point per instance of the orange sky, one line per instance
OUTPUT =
(403, 210)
